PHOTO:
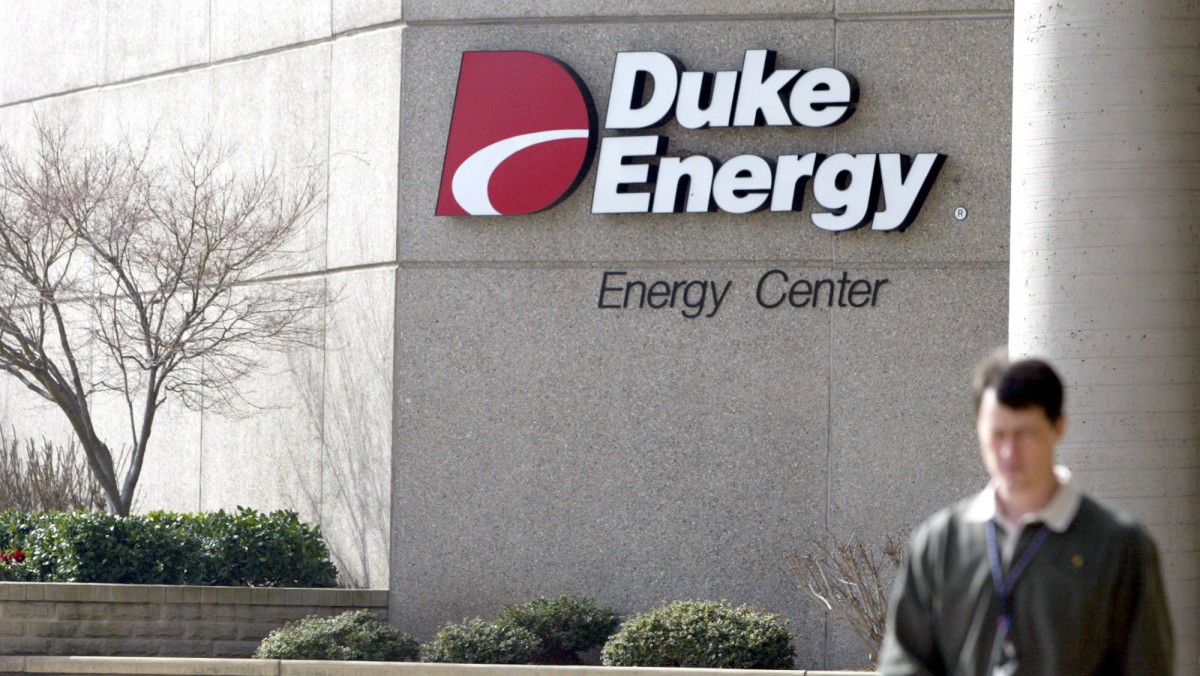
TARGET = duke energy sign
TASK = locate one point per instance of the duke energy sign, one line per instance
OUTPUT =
(523, 135)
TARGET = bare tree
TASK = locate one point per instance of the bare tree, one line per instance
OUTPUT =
(851, 582)
(145, 281)
(44, 476)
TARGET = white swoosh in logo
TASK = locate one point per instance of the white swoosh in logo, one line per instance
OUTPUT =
(470, 185)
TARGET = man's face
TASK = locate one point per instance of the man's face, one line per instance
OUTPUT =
(1017, 444)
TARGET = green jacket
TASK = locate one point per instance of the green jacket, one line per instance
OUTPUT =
(1090, 602)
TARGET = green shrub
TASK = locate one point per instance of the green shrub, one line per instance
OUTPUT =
(702, 634)
(478, 642)
(353, 635)
(246, 548)
(566, 626)
(272, 550)
(99, 547)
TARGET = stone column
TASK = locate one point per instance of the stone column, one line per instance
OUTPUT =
(1105, 271)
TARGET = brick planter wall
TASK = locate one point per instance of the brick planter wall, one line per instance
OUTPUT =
(175, 666)
(47, 618)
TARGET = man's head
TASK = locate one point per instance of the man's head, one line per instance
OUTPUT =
(1020, 384)
(1019, 418)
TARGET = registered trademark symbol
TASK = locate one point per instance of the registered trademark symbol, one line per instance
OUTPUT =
(961, 213)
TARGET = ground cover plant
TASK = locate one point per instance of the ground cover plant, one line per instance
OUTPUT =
(479, 642)
(566, 625)
(702, 634)
(695, 634)
(354, 635)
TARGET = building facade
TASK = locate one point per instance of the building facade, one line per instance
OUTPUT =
(664, 382)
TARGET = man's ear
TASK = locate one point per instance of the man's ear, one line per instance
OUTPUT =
(1060, 427)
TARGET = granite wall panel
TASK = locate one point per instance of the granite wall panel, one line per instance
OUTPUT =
(240, 28)
(546, 444)
(363, 148)
(357, 413)
(351, 15)
(419, 11)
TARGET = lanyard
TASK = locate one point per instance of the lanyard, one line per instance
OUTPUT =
(1004, 651)
(1004, 583)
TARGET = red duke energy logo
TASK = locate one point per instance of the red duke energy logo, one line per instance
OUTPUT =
(521, 137)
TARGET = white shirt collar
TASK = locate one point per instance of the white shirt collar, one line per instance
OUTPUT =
(1057, 514)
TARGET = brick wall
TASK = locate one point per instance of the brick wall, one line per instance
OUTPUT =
(156, 620)
(181, 666)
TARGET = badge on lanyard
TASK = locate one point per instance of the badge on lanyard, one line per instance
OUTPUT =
(1004, 648)
(1004, 651)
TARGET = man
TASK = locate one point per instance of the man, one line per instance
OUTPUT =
(1029, 576)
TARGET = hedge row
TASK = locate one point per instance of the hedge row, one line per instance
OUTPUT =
(694, 634)
(242, 548)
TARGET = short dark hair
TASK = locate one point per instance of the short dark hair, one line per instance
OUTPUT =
(1019, 384)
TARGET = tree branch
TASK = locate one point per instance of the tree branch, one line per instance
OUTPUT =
(168, 269)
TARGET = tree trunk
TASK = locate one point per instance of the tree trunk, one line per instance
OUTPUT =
(101, 463)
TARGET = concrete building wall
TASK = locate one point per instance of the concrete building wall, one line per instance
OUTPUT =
(1106, 160)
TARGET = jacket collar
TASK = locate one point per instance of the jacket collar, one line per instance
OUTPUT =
(1057, 514)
